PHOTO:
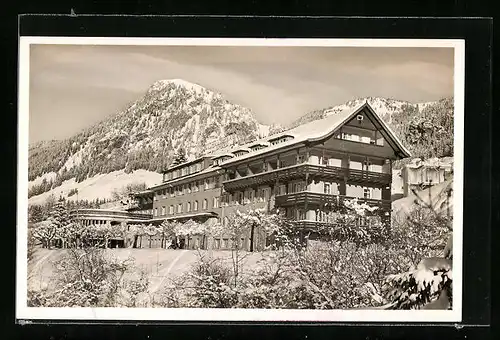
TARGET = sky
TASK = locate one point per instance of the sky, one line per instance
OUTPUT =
(75, 86)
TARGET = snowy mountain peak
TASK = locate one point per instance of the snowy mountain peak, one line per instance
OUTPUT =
(160, 84)
(172, 114)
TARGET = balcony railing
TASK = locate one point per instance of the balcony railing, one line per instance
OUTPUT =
(300, 198)
(353, 176)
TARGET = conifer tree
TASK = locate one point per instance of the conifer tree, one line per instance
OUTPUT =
(180, 156)
(59, 214)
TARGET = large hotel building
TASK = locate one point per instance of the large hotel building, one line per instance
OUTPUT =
(303, 172)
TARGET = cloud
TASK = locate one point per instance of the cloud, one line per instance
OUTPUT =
(74, 86)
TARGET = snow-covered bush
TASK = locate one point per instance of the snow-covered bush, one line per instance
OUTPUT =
(211, 279)
(427, 285)
(90, 277)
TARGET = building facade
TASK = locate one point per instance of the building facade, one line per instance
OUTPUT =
(420, 175)
(304, 173)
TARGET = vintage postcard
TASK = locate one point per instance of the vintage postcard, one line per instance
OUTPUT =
(240, 179)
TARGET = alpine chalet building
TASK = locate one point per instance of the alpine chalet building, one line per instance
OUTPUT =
(304, 172)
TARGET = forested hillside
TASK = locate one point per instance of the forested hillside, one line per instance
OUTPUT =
(173, 114)
(177, 116)
(426, 129)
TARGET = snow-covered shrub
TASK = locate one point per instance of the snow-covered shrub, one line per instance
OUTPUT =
(430, 281)
(425, 239)
(211, 279)
(427, 285)
(90, 277)
(420, 233)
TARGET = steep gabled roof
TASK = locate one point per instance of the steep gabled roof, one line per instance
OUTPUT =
(318, 130)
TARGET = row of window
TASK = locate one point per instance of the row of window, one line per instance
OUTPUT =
(242, 197)
(184, 189)
(226, 243)
(93, 222)
(296, 214)
(332, 217)
(188, 170)
(301, 158)
(257, 147)
(362, 139)
(186, 207)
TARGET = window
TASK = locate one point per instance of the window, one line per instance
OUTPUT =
(366, 166)
(367, 193)
(225, 243)
(327, 188)
(217, 243)
(215, 202)
(195, 206)
(163, 210)
(188, 207)
(366, 140)
(205, 204)
(156, 212)
(296, 187)
(171, 210)
(301, 214)
(238, 197)
(251, 195)
(267, 193)
(179, 208)
(189, 186)
(325, 160)
(206, 184)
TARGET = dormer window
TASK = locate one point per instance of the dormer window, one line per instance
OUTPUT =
(240, 153)
(257, 147)
(280, 140)
(219, 160)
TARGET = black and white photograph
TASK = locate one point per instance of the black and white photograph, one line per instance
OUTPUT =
(240, 179)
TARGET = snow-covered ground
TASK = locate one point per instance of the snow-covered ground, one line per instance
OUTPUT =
(47, 176)
(100, 186)
(161, 265)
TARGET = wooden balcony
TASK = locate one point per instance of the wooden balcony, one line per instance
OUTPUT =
(353, 176)
(316, 198)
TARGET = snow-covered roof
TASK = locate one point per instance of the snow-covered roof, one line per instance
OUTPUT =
(261, 143)
(242, 149)
(181, 165)
(279, 136)
(431, 163)
(222, 155)
(313, 131)
(140, 193)
(211, 168)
